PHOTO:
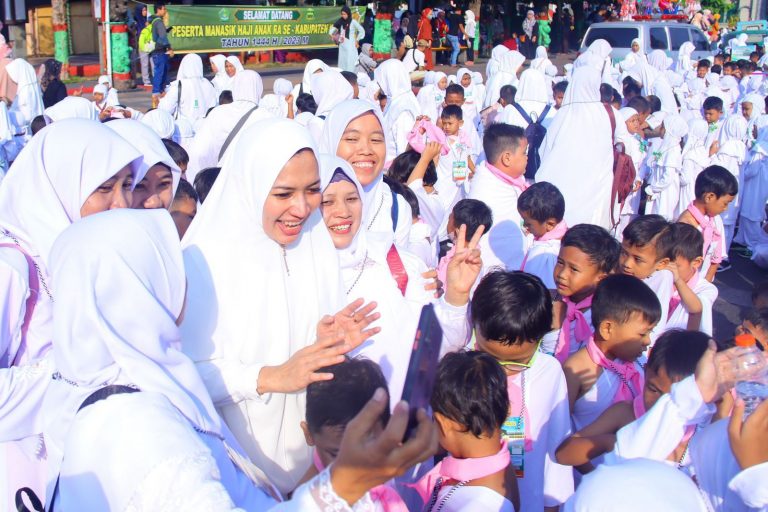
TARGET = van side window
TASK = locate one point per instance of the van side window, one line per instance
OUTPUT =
(700, 41)
(678, 36)
(658, 38)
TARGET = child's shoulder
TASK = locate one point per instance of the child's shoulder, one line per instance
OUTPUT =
(579, 360)
(687, 218)
(558, 313)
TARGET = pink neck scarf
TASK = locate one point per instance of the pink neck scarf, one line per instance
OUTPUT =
(581, 332)
(674, 300)
(556, 233)
(631, 379)
(638, 406)
(462, 470)
(433, 133)
(518, 182)
(386, 496)
(442, 266)
(710, 233)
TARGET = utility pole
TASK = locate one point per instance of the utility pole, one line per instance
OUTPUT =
(61, 35)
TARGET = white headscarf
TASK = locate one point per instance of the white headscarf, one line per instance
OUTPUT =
(633, 57)
(275, 102)
(431, 97)
(636, 485)
(542, 59)
(675, 129)
(694, 148)
(510, 63)
(395, 83)
(222, 81)
(309, 70)
(732, 137)
(659, 60)
(29, 99)
(118, 323)
(231, 263)
(329, 89)
(153, 151)
(532, 87)
(494, 63)
(161, 123)
(53, 176)
(71, 107)
(758, 110)
(110, 97)
(684, 64)
(247, 86)
(236, 63)
(282, 87)
(197, 94)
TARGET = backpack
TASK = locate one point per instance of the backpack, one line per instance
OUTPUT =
(624, 173)
(535, 133)
(146, 42)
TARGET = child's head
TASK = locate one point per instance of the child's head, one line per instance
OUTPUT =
(588, 253)
(686, 249)
(654, 102)
(716, 69)
(506, 148)
(756, 324)
(643, 108)
(204, 181)
(306, 103)
(507, 95)
(178, 154)
(760, 295)
(469, 400)
(471, 213)
(225, 98)
(624, 311)
(331, 404)
(451, 119)
(184, 207)
(715, 188)
(38, 123)
(606, 93)
(465, 80)
(718, 60)
(674, 357)
(728, 68)
(99, 93)
(410, 198)
(558, 93)
(643, 249)
(511, 313)
(454, 95)
(403, 165)
(542, 207)
(352, 79)
(702, 68)
(713, 109)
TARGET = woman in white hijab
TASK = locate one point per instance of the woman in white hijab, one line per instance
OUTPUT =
(731, 154)
(510, 63)
(329, 89)
(157, 442)
(473, 99)
(233, 66)
(71, 107)
(161, 123)
(542, 59)
(161, 175)
(402, 108)
(494, 63)
(355, 132)
(262, 272)
(655, 82)
(695, 159)
(278, 102)
(111, 97)
(221, 80)
(577, 152)
(28, 103)
(431, 96)
(42, 195)
(366, 273)
(190, 95)
(684, 64)
(532, 98)
(215, 129)
(635, 56)
(666, 164)
(305, 86)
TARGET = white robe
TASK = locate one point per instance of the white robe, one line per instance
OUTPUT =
(197, 94)
(402, 108)
(707, 294)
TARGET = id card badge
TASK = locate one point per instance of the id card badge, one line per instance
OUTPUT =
(513, 432)
(459, 171)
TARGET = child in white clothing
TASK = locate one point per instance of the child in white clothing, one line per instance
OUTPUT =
(695, 159)
(731, 153)
(755, 191)
(664, 183)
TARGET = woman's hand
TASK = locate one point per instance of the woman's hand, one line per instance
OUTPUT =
(367, 460)
(350, 324)
(464, 267)
(433, 283)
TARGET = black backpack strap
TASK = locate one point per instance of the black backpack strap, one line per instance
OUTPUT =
(234, 131)
(543, 114)
(37, 505)
(178, 99)
(99, 394)
(523, 113)
(395, 211)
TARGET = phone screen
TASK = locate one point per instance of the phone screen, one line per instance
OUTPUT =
(420, 378)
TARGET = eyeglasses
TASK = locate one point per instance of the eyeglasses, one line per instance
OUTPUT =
(530, 362)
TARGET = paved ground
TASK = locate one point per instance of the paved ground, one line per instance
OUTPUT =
(735, 285)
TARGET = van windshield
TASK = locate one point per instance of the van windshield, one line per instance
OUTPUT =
(617, 37)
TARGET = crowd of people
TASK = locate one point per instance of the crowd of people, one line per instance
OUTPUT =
(212, 305)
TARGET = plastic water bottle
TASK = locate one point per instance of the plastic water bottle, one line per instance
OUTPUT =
(751, 373)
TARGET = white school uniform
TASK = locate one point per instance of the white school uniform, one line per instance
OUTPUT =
(541, 259)
(695, 159)
(707, 294)
(661, 283)
(545, 483)
(471, 498)
(597, 399)
(635, 149)
(710, 251)
(431, 208)
(664, 181)
(713, 133)
(754, 194)
(549, 341)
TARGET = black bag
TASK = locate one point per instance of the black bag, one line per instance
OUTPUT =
(535, 133)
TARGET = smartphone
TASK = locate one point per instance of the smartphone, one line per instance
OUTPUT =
(420, 378)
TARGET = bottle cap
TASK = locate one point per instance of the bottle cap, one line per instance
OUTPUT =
(745, 340)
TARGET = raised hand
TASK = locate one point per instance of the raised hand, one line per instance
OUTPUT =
(464, 267)
(350, 324)
(749, 439)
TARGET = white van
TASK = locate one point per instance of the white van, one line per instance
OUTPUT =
(653, 35)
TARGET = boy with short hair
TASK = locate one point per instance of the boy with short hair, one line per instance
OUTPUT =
(558, 93)
(588, 253)
(454, 95)
(606, 371)
(715, 188)
(542, 208)
(692, 296)
(498, 182)
(713, 112)
(471, 213)
(756, 324)
(511, 312)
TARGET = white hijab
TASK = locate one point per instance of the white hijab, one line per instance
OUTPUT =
(532, 87)
(244, 308)
(71, 107)
(197, 94)
(694, 148)
(236, 63)
(153, 151)
(542, 59)
(732, 137)
(329, 89)
(161, 123)
(675, 129)
(118, 323)
(29, 99)
(494, 63)
(222, 81)
(53, 176)
(309, 70)
(510, 63)
(275, 103)
(247, 86)
(395, 83)
(684, 64)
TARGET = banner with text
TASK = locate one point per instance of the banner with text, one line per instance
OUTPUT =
(228, 28)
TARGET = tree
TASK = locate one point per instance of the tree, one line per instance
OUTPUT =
(61, 35)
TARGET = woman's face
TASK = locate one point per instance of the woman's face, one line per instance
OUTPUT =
(466, 80)
(230, 69)
(144, 11)
(292, 199)
(155, 190)
(443, 83)
(342, 211)
(635, 47)
(362, 145)
(633, 124)
(344, 15)
(110, 195)
(746, 110)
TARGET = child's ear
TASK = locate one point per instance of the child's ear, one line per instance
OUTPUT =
(697, 263)
(550, 224)
(662, 263)
(461, 122)
(605, 329)
(444, 424)
(307, 434)
(601, 276)
(709, 197)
